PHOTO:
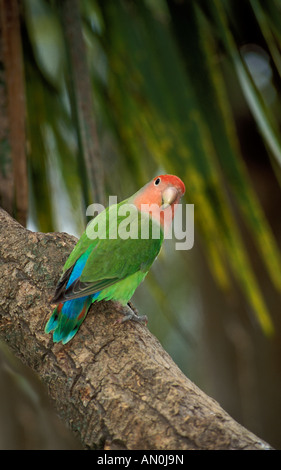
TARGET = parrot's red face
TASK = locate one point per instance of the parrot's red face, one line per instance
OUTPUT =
(163, 193)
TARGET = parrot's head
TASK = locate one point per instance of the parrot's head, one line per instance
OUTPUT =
(162, 194)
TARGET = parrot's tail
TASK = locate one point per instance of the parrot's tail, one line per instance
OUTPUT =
(67, 318)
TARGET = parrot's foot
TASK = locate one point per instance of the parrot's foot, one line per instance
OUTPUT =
(132, 307)
(129, 314)
(132, 316)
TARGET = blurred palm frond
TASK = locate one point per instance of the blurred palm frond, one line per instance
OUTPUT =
(162, 98)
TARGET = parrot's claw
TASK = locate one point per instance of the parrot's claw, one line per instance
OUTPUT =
(130, 315)
(133, 317)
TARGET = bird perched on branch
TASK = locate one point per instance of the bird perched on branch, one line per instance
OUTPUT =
(114, 254)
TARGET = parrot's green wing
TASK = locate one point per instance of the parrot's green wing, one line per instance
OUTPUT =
(87, 242)
(84, 244)
(90, 238)
(114, 259)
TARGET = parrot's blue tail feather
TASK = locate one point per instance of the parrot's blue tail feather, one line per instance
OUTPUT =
(67, 318)
(53, 320)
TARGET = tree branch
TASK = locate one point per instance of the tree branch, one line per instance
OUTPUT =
(113, 384)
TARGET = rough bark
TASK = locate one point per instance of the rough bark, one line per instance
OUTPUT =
(113, 384)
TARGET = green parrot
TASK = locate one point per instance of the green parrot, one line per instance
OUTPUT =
(109, 261)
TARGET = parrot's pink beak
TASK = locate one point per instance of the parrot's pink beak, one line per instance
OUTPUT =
(169, 196)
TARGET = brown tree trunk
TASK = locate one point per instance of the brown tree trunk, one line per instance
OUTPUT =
(113, 384)
(13, 166)
(80, 93)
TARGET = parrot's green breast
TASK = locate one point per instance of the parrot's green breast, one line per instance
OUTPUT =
(123, 290)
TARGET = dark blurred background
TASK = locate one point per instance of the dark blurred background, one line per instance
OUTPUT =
(99, 97)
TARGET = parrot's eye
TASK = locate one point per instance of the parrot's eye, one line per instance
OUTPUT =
(157, 181)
